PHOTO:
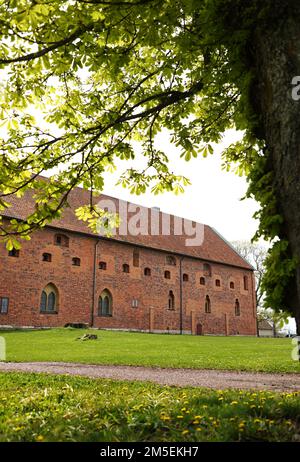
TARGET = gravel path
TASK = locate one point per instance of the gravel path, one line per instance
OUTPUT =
(178, 377)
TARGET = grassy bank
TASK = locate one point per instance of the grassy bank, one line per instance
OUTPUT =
(36, 407)
(128, 348)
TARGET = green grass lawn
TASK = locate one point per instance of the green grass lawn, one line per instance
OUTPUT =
(243, 353)
(37, 407)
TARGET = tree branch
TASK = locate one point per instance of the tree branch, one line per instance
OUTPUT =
(43, 52)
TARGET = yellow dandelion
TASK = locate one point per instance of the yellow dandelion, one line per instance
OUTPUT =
(233, 402)
(198, 429)
(196, 417)
(40, 438)
(180, 417)
(196, 422)
(185, 432)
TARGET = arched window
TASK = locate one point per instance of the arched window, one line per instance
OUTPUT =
(171, 301)
(49, 299)
(102, 265)
(167, 275)
(43, 301)
(207, 269)
(218, 283)
(147, 272)
(62, 240)
(126, 268)
(76, 261)
(136, 258)
(207, 304)
(202, 281)
(237, 308)
(245, 282)
(185, 277)
(170, 260)
(231, 285)
(105, 304)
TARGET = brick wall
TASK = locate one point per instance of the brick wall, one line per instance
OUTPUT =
(23, 279)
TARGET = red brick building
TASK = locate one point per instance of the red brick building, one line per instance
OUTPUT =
(153, 283)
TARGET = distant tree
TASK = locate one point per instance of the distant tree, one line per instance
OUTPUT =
(255, 254)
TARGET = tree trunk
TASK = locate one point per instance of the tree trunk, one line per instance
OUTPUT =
(276, 62)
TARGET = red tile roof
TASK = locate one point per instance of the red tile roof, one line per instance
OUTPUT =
(214, 247)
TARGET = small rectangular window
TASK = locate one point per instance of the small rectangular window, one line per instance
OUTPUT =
(102, 265)
(4, 305)
(14, 253)
(76, 261)
(135, 303)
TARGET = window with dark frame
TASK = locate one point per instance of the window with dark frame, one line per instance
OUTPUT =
(207, 304)
(231, 285)
(14, 253)
(126, 268)
(76, 261)
(105, 304)
(147, 272)
(47, 257)
(4, 301)
(202, 281)
(171, 301)
(185, 277)
(49, 299)
(102, 265)
(218, 283)
(245, 282)
(167, 274)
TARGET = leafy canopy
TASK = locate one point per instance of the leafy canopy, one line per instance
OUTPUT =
(82, 79)
(104, 74)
